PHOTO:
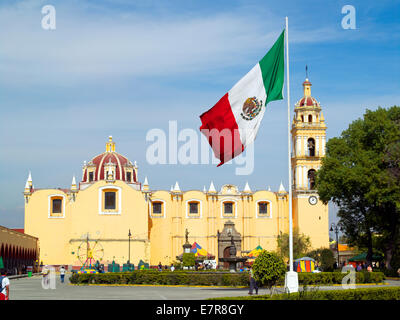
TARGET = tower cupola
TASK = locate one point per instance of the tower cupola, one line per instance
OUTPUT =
(110, 145)
(307, 88)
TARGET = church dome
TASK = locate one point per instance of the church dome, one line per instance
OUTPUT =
(110, 165)
(307, 102)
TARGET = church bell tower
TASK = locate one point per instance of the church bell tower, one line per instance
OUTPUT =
(310, 215)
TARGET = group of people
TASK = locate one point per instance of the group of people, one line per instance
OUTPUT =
(160, 267)
(360, 266)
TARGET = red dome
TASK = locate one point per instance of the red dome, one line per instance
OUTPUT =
(119, 160)
(307, 101)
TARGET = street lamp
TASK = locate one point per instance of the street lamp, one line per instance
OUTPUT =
(129, 244)
(335, 228)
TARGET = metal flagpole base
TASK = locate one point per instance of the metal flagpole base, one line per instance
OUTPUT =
(291, 282)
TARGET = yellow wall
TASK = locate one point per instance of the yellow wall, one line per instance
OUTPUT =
(154, 238)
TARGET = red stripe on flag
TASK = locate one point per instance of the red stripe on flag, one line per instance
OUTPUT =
(220, 128)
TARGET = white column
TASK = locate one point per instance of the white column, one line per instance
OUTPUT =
(305, 177)
(305, 146)
(323, 145)
(298, 146)
(317, 145)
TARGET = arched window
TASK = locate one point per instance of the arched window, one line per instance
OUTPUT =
(311, 147)
(302, 118)
(311, 179)
(310, 118)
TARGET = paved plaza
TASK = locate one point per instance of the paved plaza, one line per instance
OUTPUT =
(31, 289)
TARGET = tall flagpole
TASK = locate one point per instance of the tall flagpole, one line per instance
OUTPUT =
(289, 151)
(291, 279)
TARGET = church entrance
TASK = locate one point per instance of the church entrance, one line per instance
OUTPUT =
(226, 255)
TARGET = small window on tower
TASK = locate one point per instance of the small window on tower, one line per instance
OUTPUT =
(311, 179)
(302, 118)
(91, 175)
(310, 118)
(311, 147)
(129, 176)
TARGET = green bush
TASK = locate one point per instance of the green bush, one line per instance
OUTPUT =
(329, 278)
(349, 294)
(164, 278)
(268, 268)
(214, 278)
(390, 293)
(188, 259)
(324, 257)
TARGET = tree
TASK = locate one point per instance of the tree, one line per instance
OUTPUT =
(268, 268)
(324, 257)
(301, 244)
(360, 174)
(188, 259)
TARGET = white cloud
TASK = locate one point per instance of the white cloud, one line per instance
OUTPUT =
(89, 46)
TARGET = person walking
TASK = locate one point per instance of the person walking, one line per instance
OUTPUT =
(45, 273)
(62, 274)
(253, 282)
(4, 285)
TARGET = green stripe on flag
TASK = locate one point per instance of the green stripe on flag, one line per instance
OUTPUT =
(273, 69)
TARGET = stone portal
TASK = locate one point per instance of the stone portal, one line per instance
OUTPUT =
(229, 245)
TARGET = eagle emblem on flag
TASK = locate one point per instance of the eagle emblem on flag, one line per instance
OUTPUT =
(251, 108)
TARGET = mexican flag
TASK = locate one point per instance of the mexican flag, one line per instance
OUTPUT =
(232, 123)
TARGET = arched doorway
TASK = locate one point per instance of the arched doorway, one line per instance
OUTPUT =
(311, 179)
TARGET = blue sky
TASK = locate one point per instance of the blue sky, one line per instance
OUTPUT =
(123, 67)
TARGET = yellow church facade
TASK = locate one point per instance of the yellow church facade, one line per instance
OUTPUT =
(124, 219)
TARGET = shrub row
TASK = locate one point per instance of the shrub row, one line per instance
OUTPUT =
(212, 278)
(389, 293)
(336, 277)
(163, 278)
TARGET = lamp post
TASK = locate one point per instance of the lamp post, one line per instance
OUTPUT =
(129, 244)
(335, 228)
